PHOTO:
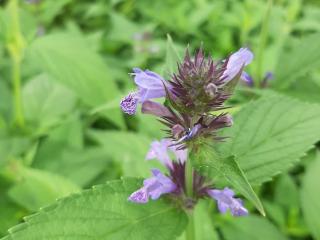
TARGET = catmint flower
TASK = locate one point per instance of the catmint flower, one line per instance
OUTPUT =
(248, 80)
(153, 188)
(236, 62)
(150, 85)
(226, 200)
(160, 150)
(245, 77)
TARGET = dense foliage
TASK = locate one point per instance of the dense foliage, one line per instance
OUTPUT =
(69, 158)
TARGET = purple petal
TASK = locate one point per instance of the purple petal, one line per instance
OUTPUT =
(236, 62)
(225, 200)
(147, 79)
(162, 185)
(237, 209)
(146, 94)
(140, 196)
(153, 187)
(245, 77)
(156, 109)
(181, 155)
(159, 150)
(269, 76)
(223, 208)
(129, 104)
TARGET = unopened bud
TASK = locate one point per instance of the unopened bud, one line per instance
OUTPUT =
(211, 90)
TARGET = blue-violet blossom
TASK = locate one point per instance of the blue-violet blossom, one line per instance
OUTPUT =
(226, 200)
(150, 85)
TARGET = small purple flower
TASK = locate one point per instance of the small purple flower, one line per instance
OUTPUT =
(225, 199)
(245, 77)
(236, 62)
(150, 85)
(129, 103)
(160, 150)
(153, 188)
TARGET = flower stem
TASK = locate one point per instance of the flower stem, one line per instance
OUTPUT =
(263, 40)
(15, 47)
(190, 233)
(189, 178)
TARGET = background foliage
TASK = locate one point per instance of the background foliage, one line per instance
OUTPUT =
(69, 61)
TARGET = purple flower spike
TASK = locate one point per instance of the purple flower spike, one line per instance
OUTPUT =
(236, 62)
(129, 103)
(153, 188)
(225, 199)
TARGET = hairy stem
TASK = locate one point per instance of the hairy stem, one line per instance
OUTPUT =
(15, 47)
(189, 178)
(263, 40)
(190, 233)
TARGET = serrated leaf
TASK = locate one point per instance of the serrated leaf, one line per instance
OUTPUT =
(297, 62)
(251, 228)
(103, 213)
(270, 134)
(310, 196)
(210, 164)
(68, 59)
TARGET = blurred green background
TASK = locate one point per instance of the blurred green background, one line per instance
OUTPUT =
(64, 68)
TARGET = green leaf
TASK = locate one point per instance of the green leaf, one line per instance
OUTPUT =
(120, 22)
(210, 164)
(302, 59)
(104, 213)
(45, 101)
(286, 193)
(271, 134)
(36, 188)
(251, 228)
(11, 213)
(172, 58)
(68, 59)
(310, 196)
(12, 148)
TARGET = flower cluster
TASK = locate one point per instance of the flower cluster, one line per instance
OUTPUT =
(193, 96)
